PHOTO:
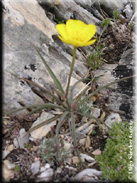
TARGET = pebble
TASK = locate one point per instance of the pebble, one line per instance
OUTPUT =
(97, 152)
(113, 118)
(46, 175)
(35, 167)
(95, 112)
(87, 157)
(9, 165)
(88, 175)
(82, 142)
(9, 147)
(45, 129)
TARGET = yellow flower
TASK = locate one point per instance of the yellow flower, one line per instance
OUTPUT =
(76, 33)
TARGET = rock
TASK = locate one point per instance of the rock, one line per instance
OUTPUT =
(84, 119)
(97, 152)
(22, 139)
(7, 174)
(28, 20)
(95, 112)
(128, 11)
(119, 96)
(88, 129)
(75, 160)
(44, 130)
(9, 165)
(46, 175)
(112, 118)
(87, 157)
(5, 153)
(109, 5)
(35, 167)
(82, 142)
(10, 147)
(67, 145)
(87, 175)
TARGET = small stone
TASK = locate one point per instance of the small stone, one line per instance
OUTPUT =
(45, 129)
(10, 147)
(35, 167)
(9, 165)
(82, 142)
(95, 112)
(46, 175)
(22, 138)
(113, 118)
(6, 173)
(5, 153)
(75, 160)
(67, 145)
(16, 143)
(84, 119)
(97, 152)
(87, 157)
(87, 175)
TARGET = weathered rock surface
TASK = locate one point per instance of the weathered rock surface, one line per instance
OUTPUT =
(120, 95)
(24, 26)
(26, 23)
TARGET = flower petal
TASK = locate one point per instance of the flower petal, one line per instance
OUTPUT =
(74, 26)
(65, 40)
(61, 28)
(88, 32)
(88, 43)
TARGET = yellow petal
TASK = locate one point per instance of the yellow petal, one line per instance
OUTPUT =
(64, 40)
(61, 28)
(74, 26)
(88, 32)
(87, 43)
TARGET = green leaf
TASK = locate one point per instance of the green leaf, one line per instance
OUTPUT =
(48, 105)
(56, 81)
(103, 87)
(62, 118)
(73, 129)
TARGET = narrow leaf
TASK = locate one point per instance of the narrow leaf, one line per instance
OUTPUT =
(56, 81)
(49, 105)
(103, 87)
(62, 118)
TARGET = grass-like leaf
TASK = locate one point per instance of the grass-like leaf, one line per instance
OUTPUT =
(56, 81)
(103, 87)
(62, 118)
(48, 105)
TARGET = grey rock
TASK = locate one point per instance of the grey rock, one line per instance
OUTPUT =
(46, 175)
(24, 26)
(88, 175)
(110, 5)
(113, 118)
(22, 139)
(95, 112)
(35, 167)
(128, 11)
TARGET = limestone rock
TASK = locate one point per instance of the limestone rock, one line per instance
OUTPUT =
(112, 118)
(45, 129)
(25, 24)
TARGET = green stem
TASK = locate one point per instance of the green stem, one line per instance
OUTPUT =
(71, 70)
